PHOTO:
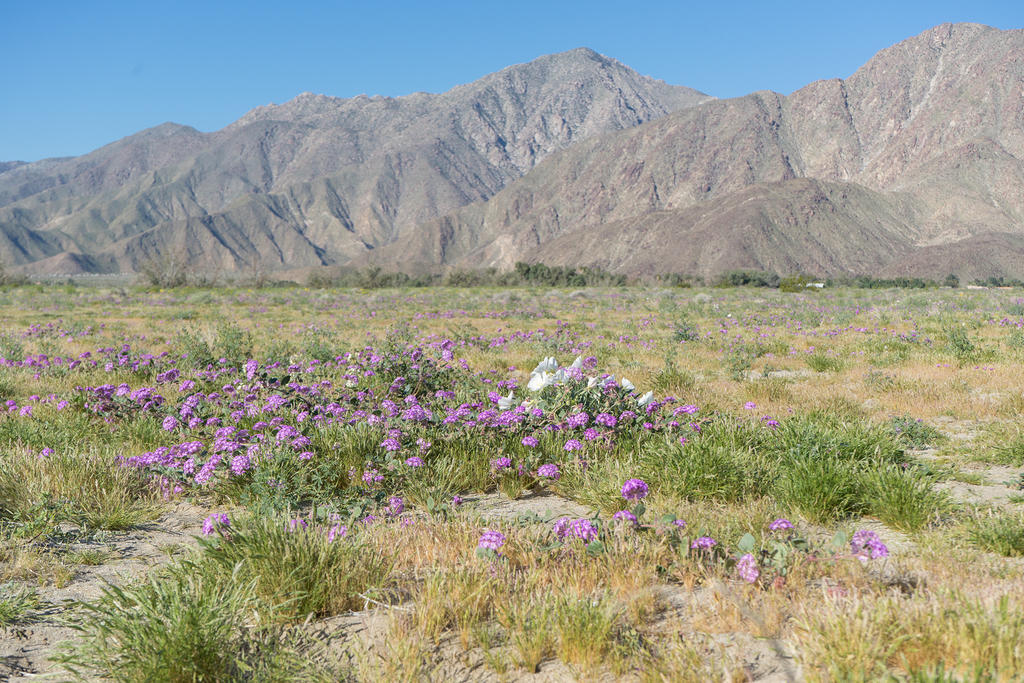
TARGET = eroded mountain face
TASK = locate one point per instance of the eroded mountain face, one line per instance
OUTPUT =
(317, 179)
(914, 165)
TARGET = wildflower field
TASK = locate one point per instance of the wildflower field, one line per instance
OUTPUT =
(484, 484)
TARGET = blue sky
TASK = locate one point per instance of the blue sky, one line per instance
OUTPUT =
(77, 75)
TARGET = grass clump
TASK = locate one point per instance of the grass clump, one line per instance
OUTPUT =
(18, 604)
(86, 489)
(184, 625)
(1003, 534)
(904, 498)
(821, 362)
(295, 562)
(914, 433)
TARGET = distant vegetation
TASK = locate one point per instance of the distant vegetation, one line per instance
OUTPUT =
(374, 277)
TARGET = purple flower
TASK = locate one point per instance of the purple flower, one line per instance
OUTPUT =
(573, 445)
(578, 420)
(372, 476)
(549, 471)
(704, 543)
(414, 461)
(297, 524)
(866, 543)
(746, 567)
(749, 405)
(396, 506)
(390, 444)
(491, 540)
(170, 423)
(606, 419)
(456, 500)
(502, 463)
(215, 521)
(582, 529)
(625, 516)
(770, 422)
(239, 464)
(634, 489)
(337, 531)
(780, 524)
(530, 441)
(679, 523)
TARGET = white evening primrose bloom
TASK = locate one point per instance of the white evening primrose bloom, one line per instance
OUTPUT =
(645, 399)
(549, 364)
(627, 385)
(578, 363)
(506, 402)
(609, 380)
(538, 380)
(592, 382)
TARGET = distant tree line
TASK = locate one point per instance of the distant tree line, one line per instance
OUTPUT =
(170, 271)
(542, 275)
(539, 274)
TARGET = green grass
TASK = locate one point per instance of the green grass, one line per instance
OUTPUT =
(88, 489)
(186, 626)
(820, 362)
(19, 604)
(299, 571)
(904, 498)
(1000, 534)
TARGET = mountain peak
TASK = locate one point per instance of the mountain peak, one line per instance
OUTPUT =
(922, 146)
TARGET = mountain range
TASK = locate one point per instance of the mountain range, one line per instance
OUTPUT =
(912, 166)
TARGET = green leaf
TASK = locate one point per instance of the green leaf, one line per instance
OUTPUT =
(840, 539)
(595, 548)
(639, 510)
(747, 543)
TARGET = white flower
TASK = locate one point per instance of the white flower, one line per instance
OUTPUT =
(627, 385)
(645, 399)
(506, 402)
(592, 382)
(538, 381)
(609, 380)
(549, 364)
(578, 363)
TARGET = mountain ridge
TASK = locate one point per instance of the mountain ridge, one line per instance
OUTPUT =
(965, 180)
(910, 163)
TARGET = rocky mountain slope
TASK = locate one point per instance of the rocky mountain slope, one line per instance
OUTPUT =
(317, 179)
(914, 165)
